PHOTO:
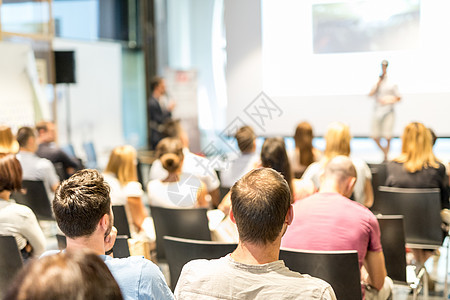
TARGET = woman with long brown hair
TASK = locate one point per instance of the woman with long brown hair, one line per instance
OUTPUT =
(15, 219)
(304, 153)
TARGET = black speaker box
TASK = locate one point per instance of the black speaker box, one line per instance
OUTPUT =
(65, 66)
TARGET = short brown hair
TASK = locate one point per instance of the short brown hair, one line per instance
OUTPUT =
(260, 201)
(154, 82)
(68, 275)
(80, 202)
(23, 134)
(10, 173)
(245, 137)
(42, 126)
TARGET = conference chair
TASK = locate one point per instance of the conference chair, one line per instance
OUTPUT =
(35, 196)
(10, 261)
(189, 223)
(121, 248)
(379, 175)
(421, 211)
(393, 241)
(339, 268)
(121, 220)
(180, 251)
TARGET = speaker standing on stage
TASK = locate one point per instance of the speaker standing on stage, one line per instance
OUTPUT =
(386, 95)
(158, 112)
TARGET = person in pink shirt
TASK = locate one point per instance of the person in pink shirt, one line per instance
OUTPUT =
(330, 221)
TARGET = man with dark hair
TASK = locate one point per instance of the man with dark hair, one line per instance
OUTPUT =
(330, 221)
(246, 161)
(49, 150)
(158, 113)
(82, 208)
(261, 210)
(192, 164)
(33, 166)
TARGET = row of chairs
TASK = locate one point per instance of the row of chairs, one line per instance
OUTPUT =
(420, 208)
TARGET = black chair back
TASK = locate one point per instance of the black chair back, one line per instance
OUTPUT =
(10, 261)
(121, 248)
(189, 223)
(181, 251)
(339, 268)
(393, 242)
(121, 220)
(379, 175)
(35, 197)
(421, 211)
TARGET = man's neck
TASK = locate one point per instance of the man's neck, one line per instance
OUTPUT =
(94, 244)
(257, 254)
(329, 187)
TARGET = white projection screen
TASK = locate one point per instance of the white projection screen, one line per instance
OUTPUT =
(317, 60)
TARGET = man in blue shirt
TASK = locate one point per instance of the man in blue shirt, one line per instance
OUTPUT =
(82, 208)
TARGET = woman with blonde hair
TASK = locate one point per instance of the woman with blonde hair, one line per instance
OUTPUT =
(178, 189)
(121, 175)
(8, 143)
(417, 166)
(338, 143)
(304, 153)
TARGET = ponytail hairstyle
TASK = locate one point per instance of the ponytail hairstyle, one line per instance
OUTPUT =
(170, 153)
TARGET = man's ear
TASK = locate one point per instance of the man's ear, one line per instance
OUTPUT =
(350, 186)
(104, 222)
(232, 216)
(290, 215)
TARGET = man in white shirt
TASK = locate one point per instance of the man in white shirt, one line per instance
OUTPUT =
(34, 167)
(247, 161)
(262, 211)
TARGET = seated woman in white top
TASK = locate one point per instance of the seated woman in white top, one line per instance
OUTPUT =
(177, 190)
(121, 175)
(15, 219)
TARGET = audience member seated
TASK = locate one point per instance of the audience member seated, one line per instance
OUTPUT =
(121, 175)
(418, 167)
(304, 153)
(49, 150)
(262, 211)
(247, 160)
(34, 167)
(71, 275)
(273, 155)
(83, 212)
(178, 189)
(15, 219)
(192, 164)
(329, 221)
(338, 143)
(8, 143)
